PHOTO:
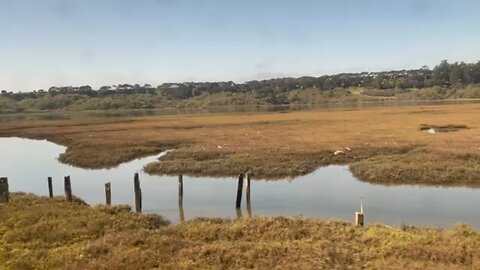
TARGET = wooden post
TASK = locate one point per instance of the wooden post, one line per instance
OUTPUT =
(50, 187)
(68, 188)
(180, 190)
(180, 199)
(108, 193)
(247, 188)
(359, 218)
(138, 193)
(4, 195)
(247, 191)
(136, 181)
(238, 203)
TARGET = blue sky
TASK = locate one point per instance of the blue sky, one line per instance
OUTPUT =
(102, 42)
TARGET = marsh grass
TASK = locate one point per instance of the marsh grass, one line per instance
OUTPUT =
(420, 167)
(42, 233)
(385, 143)
(223, 164)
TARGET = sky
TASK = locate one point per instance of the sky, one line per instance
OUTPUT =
(47, 43)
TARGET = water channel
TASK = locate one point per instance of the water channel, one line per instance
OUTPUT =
(328, 193)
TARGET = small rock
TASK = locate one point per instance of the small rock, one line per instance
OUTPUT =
(336, 153)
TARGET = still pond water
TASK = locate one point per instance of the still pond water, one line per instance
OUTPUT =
(329, 193)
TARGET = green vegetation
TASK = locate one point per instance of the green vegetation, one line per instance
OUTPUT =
(42, 233)
(445, 81)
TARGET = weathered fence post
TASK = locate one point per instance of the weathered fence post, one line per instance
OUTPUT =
(4, 195)
(68, 188)
(180, 190)
(359, 216)
(238, 203)
(247, 190)
(108, 193)
(50, 187)
(180, 199)
(138, 193)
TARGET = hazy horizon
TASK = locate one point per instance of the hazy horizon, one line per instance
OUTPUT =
(73, 42)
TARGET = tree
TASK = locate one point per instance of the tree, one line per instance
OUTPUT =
(85, 88)
(456, 74)
(441, 73)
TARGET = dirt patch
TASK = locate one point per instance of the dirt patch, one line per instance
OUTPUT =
(441, 129)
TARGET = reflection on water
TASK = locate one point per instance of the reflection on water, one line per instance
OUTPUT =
(220, 109)
(329, 193)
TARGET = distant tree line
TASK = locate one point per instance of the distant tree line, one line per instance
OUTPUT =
(443, 75)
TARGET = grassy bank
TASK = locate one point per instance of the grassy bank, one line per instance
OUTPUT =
(420, 166)
(383, 145)
(42, 233)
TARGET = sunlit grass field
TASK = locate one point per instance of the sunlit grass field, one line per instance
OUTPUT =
(43, 233)
(383, 145)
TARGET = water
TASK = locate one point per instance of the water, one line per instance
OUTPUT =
(105, 114)
(329, 193)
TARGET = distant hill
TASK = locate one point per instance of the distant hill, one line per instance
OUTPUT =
(457, 80)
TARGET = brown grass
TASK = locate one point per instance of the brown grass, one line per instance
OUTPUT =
(42, 233)
(420, 167)
(272, 145)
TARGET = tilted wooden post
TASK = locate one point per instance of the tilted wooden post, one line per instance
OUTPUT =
(108, 193)
(50, 187)
(68, 188)
(138, 193)
(247, 191)
(4, 195)
(238, 203)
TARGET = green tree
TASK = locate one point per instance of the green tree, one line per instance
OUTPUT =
(441, 73)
